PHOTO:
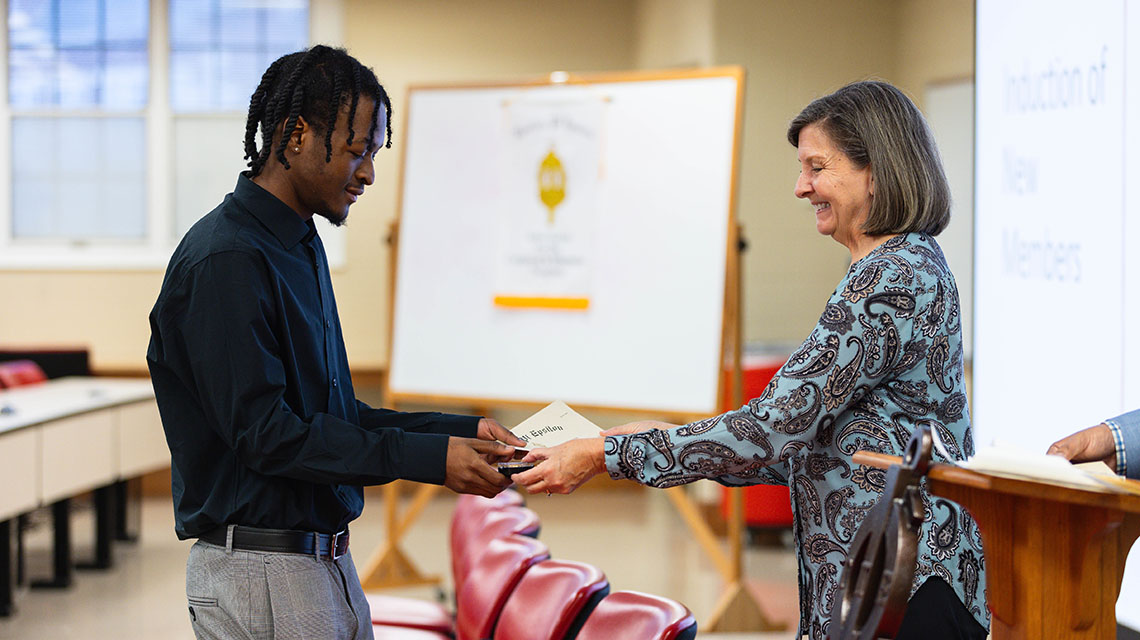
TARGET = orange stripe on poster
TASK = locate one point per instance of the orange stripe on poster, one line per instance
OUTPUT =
(525, 302)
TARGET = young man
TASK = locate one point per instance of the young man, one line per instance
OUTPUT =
(269, 445)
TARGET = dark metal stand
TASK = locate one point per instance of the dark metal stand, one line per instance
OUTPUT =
(21, 526)
(128, 505)
(61, 547)
(7, 586)
(877, 574)
(104, 528)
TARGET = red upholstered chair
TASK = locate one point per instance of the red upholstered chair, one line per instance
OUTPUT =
(494, 524)
(552, 601)
(15, 373)
(470, 511)
(493, 577)
(384, 632)
(630, 614)
(468, 504)
(433, 616)
(410, 613)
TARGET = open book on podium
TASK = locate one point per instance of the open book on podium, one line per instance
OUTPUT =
(551, 426)
(1048, 469)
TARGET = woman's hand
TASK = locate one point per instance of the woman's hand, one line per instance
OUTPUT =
(564, 468)
(637, 427)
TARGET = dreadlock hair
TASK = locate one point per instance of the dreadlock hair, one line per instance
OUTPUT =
(312, 84)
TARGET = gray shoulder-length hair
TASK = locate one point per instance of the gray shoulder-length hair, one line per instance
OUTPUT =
(875, 124)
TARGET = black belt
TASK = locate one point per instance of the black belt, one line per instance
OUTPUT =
(320, 545)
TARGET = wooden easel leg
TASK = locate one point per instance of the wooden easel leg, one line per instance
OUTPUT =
(389, 567)
(738, 610)
(701, 530)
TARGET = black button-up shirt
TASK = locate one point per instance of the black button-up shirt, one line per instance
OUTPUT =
(250, 372)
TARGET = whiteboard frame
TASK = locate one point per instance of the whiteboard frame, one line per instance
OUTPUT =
(730, 307)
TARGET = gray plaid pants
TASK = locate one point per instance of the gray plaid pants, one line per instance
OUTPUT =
(256, 595)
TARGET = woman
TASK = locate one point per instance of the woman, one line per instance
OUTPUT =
(885, 358)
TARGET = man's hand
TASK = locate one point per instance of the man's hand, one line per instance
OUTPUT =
(637, 427)
(490, 429)
(1088, 445)
(468, 468)
(564, 468)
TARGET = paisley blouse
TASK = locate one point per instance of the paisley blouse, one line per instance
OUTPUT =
(885, 358)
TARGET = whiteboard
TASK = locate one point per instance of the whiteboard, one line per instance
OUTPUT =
(1057, 300)
(660, 213)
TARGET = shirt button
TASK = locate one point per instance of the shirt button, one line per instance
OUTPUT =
(327, 323)
(334, 383)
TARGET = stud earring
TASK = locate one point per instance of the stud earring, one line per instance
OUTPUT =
(297, 149)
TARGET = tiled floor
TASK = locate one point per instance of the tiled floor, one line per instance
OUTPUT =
(633, 535)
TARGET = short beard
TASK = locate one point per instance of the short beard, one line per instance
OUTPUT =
(336, 222)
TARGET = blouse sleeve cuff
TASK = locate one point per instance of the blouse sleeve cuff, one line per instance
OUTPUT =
(613, 459)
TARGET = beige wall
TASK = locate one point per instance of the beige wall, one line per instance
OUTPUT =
(935, 44)
(105, 311)
(793, 52)
(675, 33)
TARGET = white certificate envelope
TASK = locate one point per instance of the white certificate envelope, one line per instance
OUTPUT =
(554, 424)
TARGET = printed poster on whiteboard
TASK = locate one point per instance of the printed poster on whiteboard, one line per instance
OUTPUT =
(551, 177)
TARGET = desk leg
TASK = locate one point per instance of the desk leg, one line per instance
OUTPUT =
(21, 526)
(104, 528)
(6, 569)
(61, 547)
(128, 510)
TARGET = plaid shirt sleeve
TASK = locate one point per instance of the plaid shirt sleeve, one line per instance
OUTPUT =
(1126, 435)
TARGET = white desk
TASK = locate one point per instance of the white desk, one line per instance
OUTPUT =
(39, 403)
(70, 435)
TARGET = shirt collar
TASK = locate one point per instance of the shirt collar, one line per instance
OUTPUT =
(281, 220)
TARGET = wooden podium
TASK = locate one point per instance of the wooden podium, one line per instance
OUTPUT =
(1054, 555)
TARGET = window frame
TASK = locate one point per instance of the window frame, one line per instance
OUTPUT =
(326, 24)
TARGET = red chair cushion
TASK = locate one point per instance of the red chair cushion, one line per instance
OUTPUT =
(467, 524)
(551, 597)
(630, 614)
(384, 632)
(492, 579)
(469, 510)
(15, 373)
(410, 612)
(494, 524)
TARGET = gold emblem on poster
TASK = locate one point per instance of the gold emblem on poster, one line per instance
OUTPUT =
(551, 183)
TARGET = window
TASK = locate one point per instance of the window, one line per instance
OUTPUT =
(77, 88)
(78, 178)
(78, 54)
(218, 51)
(126, 120)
